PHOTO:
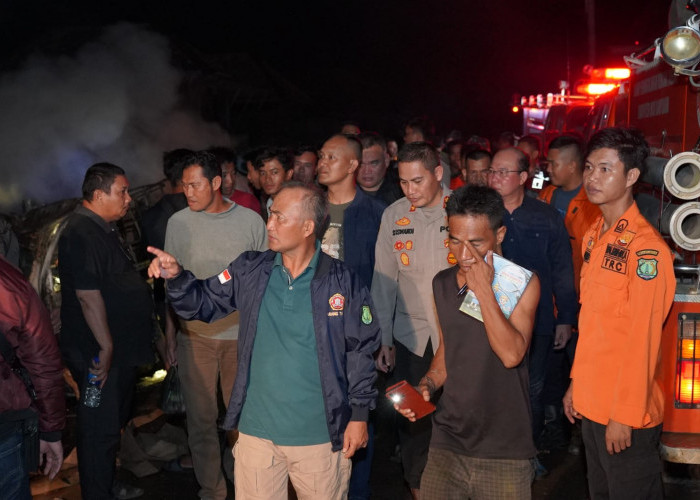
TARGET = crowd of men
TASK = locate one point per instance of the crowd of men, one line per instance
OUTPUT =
(285, 279)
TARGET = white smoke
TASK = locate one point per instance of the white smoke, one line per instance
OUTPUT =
(115, 100)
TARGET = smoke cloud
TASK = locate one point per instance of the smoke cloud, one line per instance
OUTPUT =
(115, 100)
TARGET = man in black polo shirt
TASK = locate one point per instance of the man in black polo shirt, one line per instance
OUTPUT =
(106, 320)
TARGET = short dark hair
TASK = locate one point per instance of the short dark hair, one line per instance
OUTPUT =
(305, 148)
(476, 155)
(424, 125)
(173, 164)
(282, 155)
(532, 140)
(371, 139)
(477, 200)
(571, 143)
(423, 152)
(631, 147)
(100, 176)
(210, 164)
(223, 154)
(456, 142)
(251, 155)
(314, 205)
(479, 142)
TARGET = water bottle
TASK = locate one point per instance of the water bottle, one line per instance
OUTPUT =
(93, 392)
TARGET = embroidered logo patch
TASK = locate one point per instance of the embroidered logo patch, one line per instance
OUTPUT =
(409, 245)
(625, 239)
(366, 315)
(224, 276)
(647, 265)
(447, 242)
(398, 246)
(412, 209)
(451, 259)
(337, 302)
(444, 201)
(403, 221)
(404, 259)
(621, 225)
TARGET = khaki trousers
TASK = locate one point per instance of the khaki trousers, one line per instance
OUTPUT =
(203, 365)
(262, 469)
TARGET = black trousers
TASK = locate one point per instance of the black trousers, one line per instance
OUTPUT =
(633, 474)
(414, 437)
(99, 429)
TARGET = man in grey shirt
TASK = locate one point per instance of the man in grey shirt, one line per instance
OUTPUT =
(205, 238)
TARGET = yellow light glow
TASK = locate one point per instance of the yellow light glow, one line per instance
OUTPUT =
(595, 88)
(688, 383)
(689, 348)
(617, 73)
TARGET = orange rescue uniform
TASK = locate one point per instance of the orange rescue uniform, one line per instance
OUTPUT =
(580, 216)
(627, 289)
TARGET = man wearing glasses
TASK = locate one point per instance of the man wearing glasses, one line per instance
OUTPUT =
(536, 239)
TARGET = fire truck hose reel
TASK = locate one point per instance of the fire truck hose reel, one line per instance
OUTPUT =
(684, 226)
(682, 175)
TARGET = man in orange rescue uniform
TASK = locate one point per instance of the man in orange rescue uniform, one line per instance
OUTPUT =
(627, 288)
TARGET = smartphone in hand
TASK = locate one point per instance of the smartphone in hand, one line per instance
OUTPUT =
(405, 396)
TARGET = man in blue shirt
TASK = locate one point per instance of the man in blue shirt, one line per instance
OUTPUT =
(305, 381)
(536, 239)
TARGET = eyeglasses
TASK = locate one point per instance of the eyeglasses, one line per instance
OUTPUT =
(502, 173)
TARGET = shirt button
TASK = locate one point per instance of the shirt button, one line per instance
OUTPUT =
(291, 288)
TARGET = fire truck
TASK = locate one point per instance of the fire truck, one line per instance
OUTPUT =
(659, 94)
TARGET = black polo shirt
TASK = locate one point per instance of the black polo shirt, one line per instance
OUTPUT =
(91, 257)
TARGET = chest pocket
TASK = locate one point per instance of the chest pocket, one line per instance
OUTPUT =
(534, 244)
(605, 291)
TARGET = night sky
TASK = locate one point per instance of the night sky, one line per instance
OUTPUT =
(376, 62)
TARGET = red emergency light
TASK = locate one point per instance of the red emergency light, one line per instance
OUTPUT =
(595, 88)
(610, 74)
(515, 109)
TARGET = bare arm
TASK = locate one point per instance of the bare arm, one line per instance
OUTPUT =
(433, 380)
(93, 307)
(509, 337)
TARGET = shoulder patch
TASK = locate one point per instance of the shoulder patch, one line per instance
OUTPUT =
(621, 225)
(647, 268)
(366, 315)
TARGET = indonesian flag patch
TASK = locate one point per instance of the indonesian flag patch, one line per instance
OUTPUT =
(224, 276)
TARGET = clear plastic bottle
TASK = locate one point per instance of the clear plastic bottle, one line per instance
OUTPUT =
(93, 391)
